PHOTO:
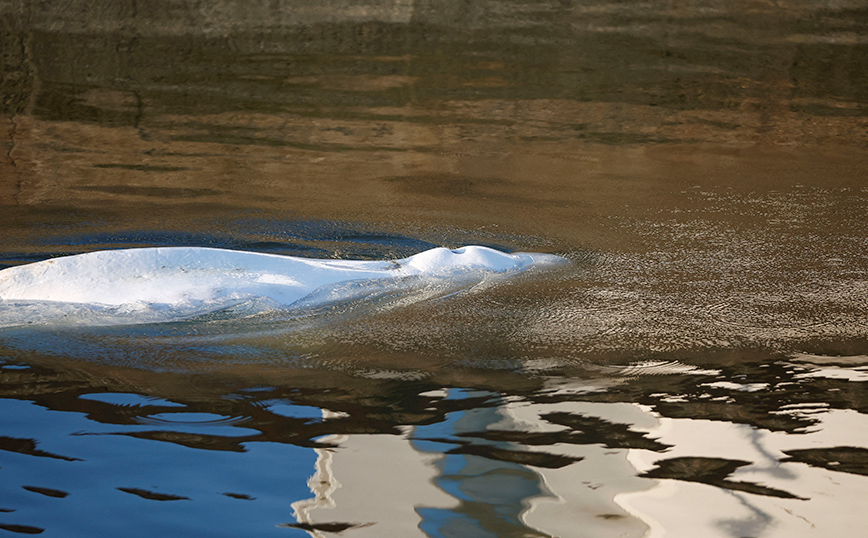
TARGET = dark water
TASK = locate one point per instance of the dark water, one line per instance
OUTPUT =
(699, 369)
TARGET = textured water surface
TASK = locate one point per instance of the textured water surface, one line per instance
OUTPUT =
(698, 367)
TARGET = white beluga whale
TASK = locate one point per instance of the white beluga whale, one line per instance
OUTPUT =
(144, 285)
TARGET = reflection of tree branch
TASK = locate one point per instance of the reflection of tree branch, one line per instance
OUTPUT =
(845, 459)
(592, 430)
(521, 457)
(153, 496)
(317, 528)
(28, 446)
(714, 472)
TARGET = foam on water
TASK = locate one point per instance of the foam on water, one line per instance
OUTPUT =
(151, 285)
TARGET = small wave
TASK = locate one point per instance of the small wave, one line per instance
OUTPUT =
(129, 400)
(645, 368)
(189, 418)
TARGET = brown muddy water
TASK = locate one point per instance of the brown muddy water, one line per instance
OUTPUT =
(698, 369)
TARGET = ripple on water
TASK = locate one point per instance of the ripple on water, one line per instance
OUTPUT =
(129, 400)
(192, 422)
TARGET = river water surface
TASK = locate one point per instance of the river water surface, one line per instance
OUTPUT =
(698, 369)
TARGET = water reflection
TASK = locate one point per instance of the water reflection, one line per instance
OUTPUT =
(770, 447)
(237, 74)
(698, 371)
(491, 483)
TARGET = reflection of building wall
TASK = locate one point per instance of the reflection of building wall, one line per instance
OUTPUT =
(322, 484)
(392, 486)
(374, 483)
(582, 499)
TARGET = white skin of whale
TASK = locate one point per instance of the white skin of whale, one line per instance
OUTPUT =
(186, 275)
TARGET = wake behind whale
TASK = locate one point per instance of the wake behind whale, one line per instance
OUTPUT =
(167, 284)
